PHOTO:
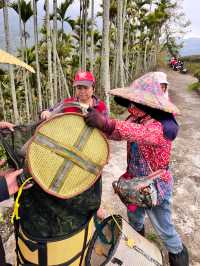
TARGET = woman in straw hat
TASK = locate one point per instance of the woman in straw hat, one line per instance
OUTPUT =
(149, 131)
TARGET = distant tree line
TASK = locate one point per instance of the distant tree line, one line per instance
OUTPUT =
(132, 37)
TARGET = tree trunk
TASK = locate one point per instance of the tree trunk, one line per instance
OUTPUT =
(62, 75)
(2, 103)
(84, 36)
(11, 72)
(26, 77)
(92, 37)
(60, 86)
(22, 44)
(105, 71)
(145, 57)
(50, 85)
(30, 101)
(116, 59)
(37, 56)
(120, 41)
(138, 67)
(127, 46)
(54, 50)
(157, 46)
(132, 65)
(124, 14)
(21, 31)
(113, 70)
(80, 37)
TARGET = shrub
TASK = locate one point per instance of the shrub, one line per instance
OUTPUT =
(115, 108)
(197, 74)
(194, 86)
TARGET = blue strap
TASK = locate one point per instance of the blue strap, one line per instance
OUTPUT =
(99, 229)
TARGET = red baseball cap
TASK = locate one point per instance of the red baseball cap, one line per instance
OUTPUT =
(84, 78)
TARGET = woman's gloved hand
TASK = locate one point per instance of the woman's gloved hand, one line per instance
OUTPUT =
(96, 119)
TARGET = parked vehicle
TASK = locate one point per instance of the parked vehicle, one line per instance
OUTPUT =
(177, 65)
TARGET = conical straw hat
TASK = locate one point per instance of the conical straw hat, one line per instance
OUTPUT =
(65, 156)
(6, 58)
(146, 90)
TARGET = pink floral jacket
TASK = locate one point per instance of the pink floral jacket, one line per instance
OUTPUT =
(152, 144)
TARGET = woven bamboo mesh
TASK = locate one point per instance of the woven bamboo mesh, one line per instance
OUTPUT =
(65, 156)
(6, 58)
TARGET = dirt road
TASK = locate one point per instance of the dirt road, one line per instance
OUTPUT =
(185, 166)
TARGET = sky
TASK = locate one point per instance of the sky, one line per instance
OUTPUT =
(192, 10)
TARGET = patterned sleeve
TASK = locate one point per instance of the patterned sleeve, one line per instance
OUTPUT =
(150, 134)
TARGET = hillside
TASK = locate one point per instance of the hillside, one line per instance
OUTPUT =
(191, 46)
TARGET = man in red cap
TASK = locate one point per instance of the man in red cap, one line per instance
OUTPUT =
(84, 82)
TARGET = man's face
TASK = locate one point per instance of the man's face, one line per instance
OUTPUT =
(84, 93)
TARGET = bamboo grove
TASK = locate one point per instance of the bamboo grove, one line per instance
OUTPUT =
(126, 44)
